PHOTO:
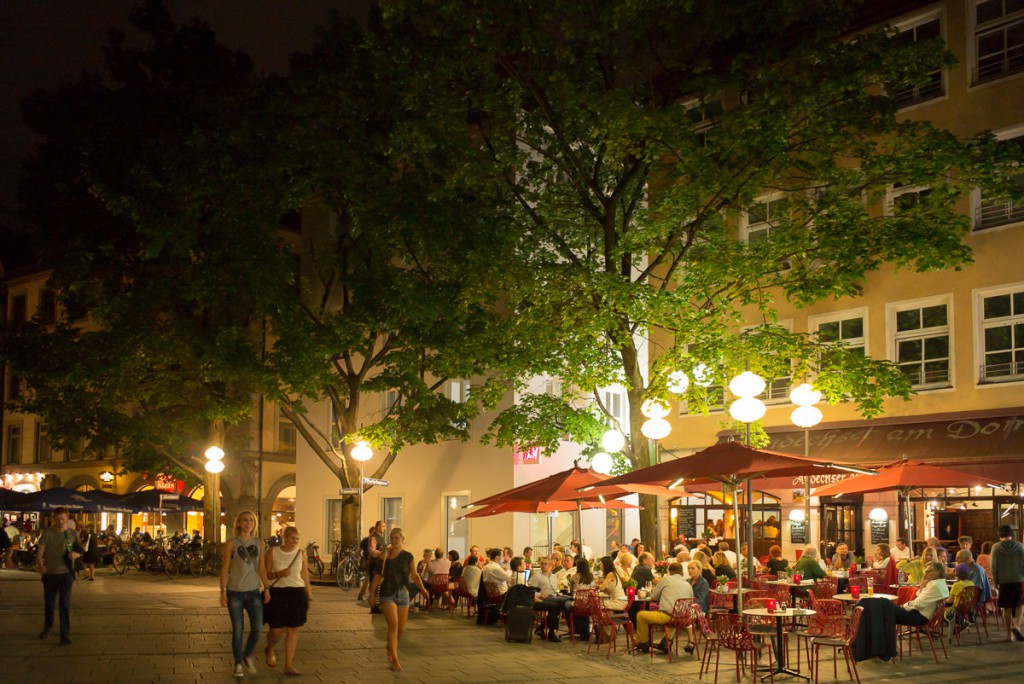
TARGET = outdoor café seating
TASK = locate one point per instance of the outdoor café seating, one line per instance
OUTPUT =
(933, 631)
(837, 643)
(683, 616)
(829, 620)
(734, 634)
(604, 627)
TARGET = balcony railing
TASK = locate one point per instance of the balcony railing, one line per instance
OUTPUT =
(1002, 372)
(992, 214)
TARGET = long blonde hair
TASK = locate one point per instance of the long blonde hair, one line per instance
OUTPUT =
(237, 528)
(703, 559)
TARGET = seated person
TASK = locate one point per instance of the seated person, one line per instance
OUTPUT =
(914, 568)
(842, 559)
(808, 566)
(471, 575)
(918, 611)
(882, 557)
(722, 566)
(977, 575)
(611, 585)
(729, 554)
(776, 563)
(643, 574)
(963, 580)
(547, 597)
(671, 588)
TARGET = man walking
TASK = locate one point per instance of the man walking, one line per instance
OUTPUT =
(59, 548)
(374, 550)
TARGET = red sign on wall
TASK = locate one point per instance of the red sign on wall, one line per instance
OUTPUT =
(527, 455)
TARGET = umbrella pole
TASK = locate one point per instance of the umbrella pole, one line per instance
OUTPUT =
(750, 563)
(579, 524)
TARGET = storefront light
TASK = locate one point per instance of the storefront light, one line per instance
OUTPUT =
(796, 515)
(878, 515)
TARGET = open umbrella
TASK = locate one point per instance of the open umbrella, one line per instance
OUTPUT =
(902, 476)
(729, 463)
(545, 507)
(11, 500)
(60, 497)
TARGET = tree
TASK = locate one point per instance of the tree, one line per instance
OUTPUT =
(630, 140)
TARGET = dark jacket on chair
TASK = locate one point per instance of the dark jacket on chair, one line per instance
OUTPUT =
(876, 637)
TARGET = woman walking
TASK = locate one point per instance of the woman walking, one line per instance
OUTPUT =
(241, 578)
(393, 576)
(92, 552)
(290, 594)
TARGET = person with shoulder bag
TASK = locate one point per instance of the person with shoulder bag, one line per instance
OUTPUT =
(390, 590)
(290, 595)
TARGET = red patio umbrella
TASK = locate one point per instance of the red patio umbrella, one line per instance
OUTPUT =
(545, 507)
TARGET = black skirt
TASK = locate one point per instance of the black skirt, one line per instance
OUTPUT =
(287, 607)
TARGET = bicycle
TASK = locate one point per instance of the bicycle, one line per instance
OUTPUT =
(127, 556)
(315, 564)
(348, 567)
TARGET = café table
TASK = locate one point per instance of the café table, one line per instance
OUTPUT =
(850, 599)
(780, 653)
(793, 586)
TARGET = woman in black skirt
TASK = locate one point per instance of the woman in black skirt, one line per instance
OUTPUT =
(92, 553)
(290, 595)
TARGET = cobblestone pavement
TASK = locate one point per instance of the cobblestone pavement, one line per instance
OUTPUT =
(140, 628)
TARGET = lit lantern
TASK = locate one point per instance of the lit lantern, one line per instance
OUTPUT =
(678, 382)
(747, 409)
(656, 428)
(601, 463)
(613, 441)
(747, 384)
(806, 416)
(655, 408)
(804, 394)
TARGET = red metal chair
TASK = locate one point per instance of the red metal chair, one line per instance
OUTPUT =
(721, 602)
(821, 589)
(438, 587)
(495, 597)
(906, 593)
(602, 623)
(462, 596)
(581, 601)
(682, 617)
(842, 643)
(829, 620)
(734, 634)
(964, 609)
(763, 628)
(860, 581)
(704, 632)
(932, 630)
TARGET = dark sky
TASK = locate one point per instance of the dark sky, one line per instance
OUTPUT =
(45, 43)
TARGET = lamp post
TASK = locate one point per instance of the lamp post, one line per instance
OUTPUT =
(655, 429)
(362, 453)
(215, 466)
(806, 415)
(747, 409)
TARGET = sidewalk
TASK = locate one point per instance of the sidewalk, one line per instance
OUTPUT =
(141, 628)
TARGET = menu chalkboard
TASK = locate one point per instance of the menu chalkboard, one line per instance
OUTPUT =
(879, 531)
(797, 532)
(686, 522)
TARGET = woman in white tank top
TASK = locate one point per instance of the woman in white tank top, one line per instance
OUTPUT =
(290, 595)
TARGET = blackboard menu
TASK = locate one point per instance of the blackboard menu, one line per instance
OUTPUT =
(686, 522)
(879, 531)
(797, 532)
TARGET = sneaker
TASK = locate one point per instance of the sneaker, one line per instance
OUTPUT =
(1017, 635)
(250, 664)
(239, 672)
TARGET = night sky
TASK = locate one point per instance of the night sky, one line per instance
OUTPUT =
(45, 43)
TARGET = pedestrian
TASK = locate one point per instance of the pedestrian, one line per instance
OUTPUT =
(1008, 572)
(92, 552)
(241, 578)
(392, 576)
(56, 553)
(290, 594)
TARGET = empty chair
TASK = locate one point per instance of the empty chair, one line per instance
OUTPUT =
(839, 643)
(733, 633)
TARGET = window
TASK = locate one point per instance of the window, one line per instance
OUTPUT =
(15, 386)
(286, 436)
(922, 342)
(998, 39)
(997, 211)
(44, 451)
(19, 309)
(902, 198)
(705, 115)
(848, 327)
(47, 307)
(456, 527)
(390, 400)
(553, 387)
(12, 446)
(1001, 335)
(904, 94)
(458, 391)
(762, 219)
(391, 513)
(614, 401)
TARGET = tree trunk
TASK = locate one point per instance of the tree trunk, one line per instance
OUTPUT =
(211, 507)
(648, 533)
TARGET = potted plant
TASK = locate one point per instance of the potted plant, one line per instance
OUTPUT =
(723, 582)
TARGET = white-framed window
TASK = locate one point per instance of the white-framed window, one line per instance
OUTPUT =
(12, 444)
(999, 313)
(903, 197)
(998, 41)
(456, 530)
(762, 218)
(921, 339)
(389, 400)
(615, 401)
(849, 327)
(992, 212)
(918, 30)
(776, 389)
(458, 391)
(44, 450)
(705, 115)
(392, 513)
(553, 386)
(286, 435)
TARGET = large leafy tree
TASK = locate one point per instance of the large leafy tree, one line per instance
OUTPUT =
(632, 142)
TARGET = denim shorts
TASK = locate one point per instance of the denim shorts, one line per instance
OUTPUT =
(400, 598)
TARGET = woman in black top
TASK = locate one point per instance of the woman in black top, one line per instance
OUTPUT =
(776, 563)
(455, 571)
(393, 578)
(722, 567)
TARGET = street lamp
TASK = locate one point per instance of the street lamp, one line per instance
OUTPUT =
(747, 409)
(656, 428)
(613, 441)
(215, 466)
(806, 415)
(362, 453)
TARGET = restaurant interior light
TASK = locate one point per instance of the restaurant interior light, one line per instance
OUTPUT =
(747, 409)
(747, 384)
(678, 382)
(655, 408)
(656, 428)
(613, 441)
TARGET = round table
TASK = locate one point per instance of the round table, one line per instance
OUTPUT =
(793, 586)
(864, 595)
(780, 653)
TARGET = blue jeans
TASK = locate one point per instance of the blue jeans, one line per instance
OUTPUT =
(55, 586)
(250, 602)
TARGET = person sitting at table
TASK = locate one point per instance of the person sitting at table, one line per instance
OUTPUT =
(680, 544)
(612, 586)
(517, 570)
(730, 555)
(842, 559)
(808, 566)
(744, 555)
(707, 571)
(914, 568)
(985, 558)
(494, 573)
(882, 557)
(722, 566)
(547, 597)
(564, 570)
(471, 575)
(900, 551)
(671, 588)
(643, 574)
(963, 580)
(776, 563)
(977, 575)
(625, 565)
(919, 610)
(683, 557)
(700, 587)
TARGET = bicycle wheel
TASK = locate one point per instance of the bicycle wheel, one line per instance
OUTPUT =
(171, 566)
(213, 564)
(120, 562)
(317, 568)
(195, 564)
(348, 574)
